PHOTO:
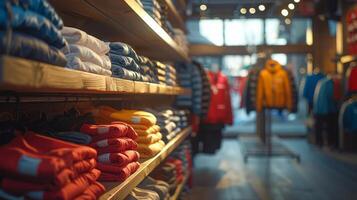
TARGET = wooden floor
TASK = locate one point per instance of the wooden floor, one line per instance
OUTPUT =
(319, 176)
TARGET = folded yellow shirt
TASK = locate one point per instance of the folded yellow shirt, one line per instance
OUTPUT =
(144, 130)
(149, 139)
(150, 150)
(106, 114)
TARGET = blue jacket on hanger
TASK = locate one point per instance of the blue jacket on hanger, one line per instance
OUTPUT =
(348, 116)
(33, 24)
(324, 102)
(310, 85)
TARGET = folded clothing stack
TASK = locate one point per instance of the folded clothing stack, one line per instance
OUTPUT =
(144, 123)
(39, 167)
(116, 148)
(183, 153)
(181, 39)
(170, 76)
(166, 172)
(161, 72)
(153, 8)
(31, 30)
(150, 188)
(148, 69)
(86, 53)
(184, 76)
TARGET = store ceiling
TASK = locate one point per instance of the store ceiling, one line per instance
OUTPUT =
(232, 8)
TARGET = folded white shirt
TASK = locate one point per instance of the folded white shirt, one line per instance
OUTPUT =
(76, 63)
(76, 36)
(87, 55)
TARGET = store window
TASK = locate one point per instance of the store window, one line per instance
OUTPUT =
(279, 33)
(206, 31)
(243, 32)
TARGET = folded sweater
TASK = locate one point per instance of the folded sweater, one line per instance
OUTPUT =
(86, 54)
(79, 37)
(150, 150)
(111, 172)
(149, 139)
(115, 130)
(120, 159)
(77, 64)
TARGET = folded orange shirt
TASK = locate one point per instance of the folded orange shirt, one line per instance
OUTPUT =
(149, 139)
(119, 159)
(121, 144)
(114, 173)
(69, 191)
(142, 130)
(150, 150)
(116, 129)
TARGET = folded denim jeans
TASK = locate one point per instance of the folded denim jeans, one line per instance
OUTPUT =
(76, 63)
(25, 46)
(43, 8)
(32, 23)
(124, 61)
(86, 54)
(123, 49)
(79, 37)
(121, 72)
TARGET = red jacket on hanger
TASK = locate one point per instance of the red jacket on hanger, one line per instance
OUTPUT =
(220, 109)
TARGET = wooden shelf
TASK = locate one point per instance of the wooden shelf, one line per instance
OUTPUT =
(123, 20)
(179, 188)
(119, 191)
(174, 17)
(22, 75)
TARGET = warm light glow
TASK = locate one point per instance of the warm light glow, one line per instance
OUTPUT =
(252, 10)
(309, 37)
(261, 7)
(287, 21)
(296, 1)
(243, 11)
(203, 7)
(284, 12)
(291, 6)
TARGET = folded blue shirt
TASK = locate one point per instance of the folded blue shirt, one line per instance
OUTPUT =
(124, 61)
(21, 45)
(43, 8)
(120, 48)
(121, 72)
(33, 24)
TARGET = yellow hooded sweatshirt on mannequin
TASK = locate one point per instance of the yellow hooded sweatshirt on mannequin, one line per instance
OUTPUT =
(274, 88)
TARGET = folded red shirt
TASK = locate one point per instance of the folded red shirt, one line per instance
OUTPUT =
(111, 172)
(25, 165)
(112, 149)
(46, 145)
(118, 128)
(70, 190)
(92, 192)
(179, 166)
(120, 159)
(124, 143)
(20, 187)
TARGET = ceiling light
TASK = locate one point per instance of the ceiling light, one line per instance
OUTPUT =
(284, 12)
(252, 10)
(261, 7)
(291, 6)
(287, 21)
(203, 7)
(296, 1)
(243, 11)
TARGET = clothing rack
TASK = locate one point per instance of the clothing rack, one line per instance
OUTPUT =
(267, 147)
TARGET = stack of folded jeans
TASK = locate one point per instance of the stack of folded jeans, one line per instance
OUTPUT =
(181, 118)
(86, 53)
(31, 30)
(39, 167)
(116, 148)
(167, 173)
(125, 62)
(153, 8)
(144, 124)
(170, 76)
(150, 188)
(161, 72)
(148, 69)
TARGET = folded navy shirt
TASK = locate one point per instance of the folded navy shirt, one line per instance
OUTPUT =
(121, 72)
(25, 46)
(124, 61)
(120, 48)
(33, 24)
